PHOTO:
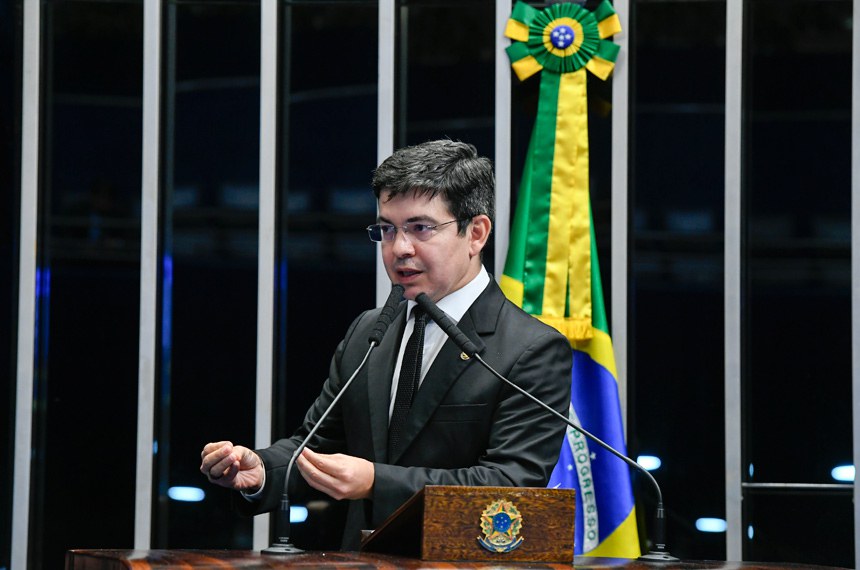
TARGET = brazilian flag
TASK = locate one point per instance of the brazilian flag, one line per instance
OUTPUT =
(551, 270)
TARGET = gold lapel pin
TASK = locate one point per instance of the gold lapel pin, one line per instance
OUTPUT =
(464, 356)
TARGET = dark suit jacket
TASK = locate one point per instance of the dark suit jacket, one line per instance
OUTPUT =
(465, 427)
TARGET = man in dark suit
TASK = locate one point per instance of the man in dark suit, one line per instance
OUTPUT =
(459, 425)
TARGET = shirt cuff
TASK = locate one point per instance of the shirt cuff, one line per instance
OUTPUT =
(251, 497)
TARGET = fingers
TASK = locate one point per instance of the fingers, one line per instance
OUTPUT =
(247, 458)
(218, 462)
(311, 467)
(339, 476)
(234, 467)
(210, 447)
(325, 464)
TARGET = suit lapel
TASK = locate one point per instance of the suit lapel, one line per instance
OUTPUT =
(480, 319)
(380, 370)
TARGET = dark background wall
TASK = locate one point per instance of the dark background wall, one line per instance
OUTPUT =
(796, 254)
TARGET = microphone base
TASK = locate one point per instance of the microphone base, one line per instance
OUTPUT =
(657, 556)
(282, 550)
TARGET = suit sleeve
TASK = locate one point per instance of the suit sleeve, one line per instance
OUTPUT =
(329, 438)
(524, 439)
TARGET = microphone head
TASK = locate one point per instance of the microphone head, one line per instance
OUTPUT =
(446, 324)
(396, 293)
(386, 315)
(425, 302)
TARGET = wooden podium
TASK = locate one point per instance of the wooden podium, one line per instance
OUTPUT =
(481, 524)
(248, 560)
(442, 525)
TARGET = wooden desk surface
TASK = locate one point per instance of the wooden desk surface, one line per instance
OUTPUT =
(227, 559)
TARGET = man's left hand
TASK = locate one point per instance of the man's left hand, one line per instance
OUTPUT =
(339, 476)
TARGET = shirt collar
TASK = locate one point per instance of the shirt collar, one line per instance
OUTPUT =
(457, 303)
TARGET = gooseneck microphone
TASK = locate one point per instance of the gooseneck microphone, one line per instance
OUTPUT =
(660, 553)
(282, 544)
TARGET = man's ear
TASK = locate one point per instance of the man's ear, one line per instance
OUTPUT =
(479, 233)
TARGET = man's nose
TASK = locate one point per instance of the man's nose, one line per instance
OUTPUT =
(402, 244)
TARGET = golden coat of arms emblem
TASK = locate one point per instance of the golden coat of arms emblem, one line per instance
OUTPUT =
(501, 523)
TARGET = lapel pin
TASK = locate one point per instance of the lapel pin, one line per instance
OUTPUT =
(464, 356)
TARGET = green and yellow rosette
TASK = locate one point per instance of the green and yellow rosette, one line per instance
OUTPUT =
(548, 268)
(562, 38)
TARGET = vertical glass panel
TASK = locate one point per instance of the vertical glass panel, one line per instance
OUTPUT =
(799, 527)
(10, 168)
(797, 186)
(676, 356)
(445, 72)
(209, 274)
(445, 78)
(798, 193)
(327, 265)
(88, 279)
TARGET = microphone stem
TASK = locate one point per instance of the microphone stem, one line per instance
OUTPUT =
(659, 553)
(325, 414)
(282, 526)
(466, 345)
(578, 428)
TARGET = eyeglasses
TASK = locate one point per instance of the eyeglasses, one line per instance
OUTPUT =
(419, 230)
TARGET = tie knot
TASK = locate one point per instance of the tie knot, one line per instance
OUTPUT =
(419, 314)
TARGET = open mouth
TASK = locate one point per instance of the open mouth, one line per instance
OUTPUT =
(408, 274)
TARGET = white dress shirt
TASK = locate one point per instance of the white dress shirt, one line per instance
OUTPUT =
(455, 306)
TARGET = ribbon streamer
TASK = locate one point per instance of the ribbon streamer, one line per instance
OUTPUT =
(548, 269)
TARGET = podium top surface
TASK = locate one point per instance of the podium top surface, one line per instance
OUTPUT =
(226, 559)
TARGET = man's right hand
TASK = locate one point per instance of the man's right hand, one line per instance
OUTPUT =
(233, 467)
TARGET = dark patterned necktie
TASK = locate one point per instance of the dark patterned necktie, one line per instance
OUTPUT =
(410, 375)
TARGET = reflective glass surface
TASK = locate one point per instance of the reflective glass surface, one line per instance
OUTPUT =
(675, 367)
(445, 76)
(88, 279)
(799, 527)
(798, 197)
(797, 302)
(326, 264)
(10, 168)
(211, 110)
(445, 72)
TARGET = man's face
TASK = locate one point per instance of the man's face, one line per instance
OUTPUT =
(440, 265)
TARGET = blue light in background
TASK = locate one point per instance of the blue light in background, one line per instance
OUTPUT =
(843, 473)
(649, 462)
(706, 524)
(186, 494)
(750, 532)
(166, 303)
(298, 514)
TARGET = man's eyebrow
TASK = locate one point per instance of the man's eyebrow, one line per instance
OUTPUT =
(429, 219)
